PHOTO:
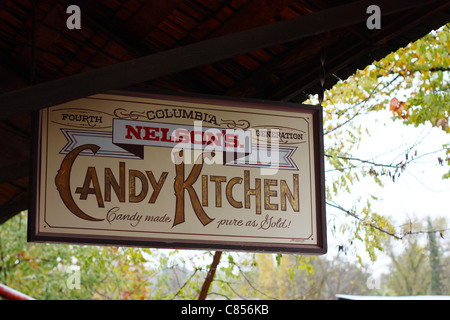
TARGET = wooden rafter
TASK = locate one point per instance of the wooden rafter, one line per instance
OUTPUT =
(338, 58)
(9, 210)
(15, 171)
(201, 53)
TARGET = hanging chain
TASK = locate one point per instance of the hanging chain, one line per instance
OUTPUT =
(322, 74)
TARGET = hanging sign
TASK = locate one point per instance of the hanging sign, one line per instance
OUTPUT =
(132, 168)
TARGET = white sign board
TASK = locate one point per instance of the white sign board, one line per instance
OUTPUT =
(128, 168)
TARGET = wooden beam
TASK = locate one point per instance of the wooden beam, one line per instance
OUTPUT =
(183, 58)
(295, 85)
(252, 14)
(150, 16)
(15, 171)
(12, 75)
(9, 210)
(101, 18)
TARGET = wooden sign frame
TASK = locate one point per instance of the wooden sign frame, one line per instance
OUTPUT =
(102, 173)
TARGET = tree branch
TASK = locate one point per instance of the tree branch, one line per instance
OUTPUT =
(396, 236)
(184, 285)
(210, 276)
(369, 162)
(250, 283)
(354, 215)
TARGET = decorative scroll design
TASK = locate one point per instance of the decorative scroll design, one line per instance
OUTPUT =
(231, 124)
(131, 115)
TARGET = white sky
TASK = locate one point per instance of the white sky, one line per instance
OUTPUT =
(419, 192)
(420, 189)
